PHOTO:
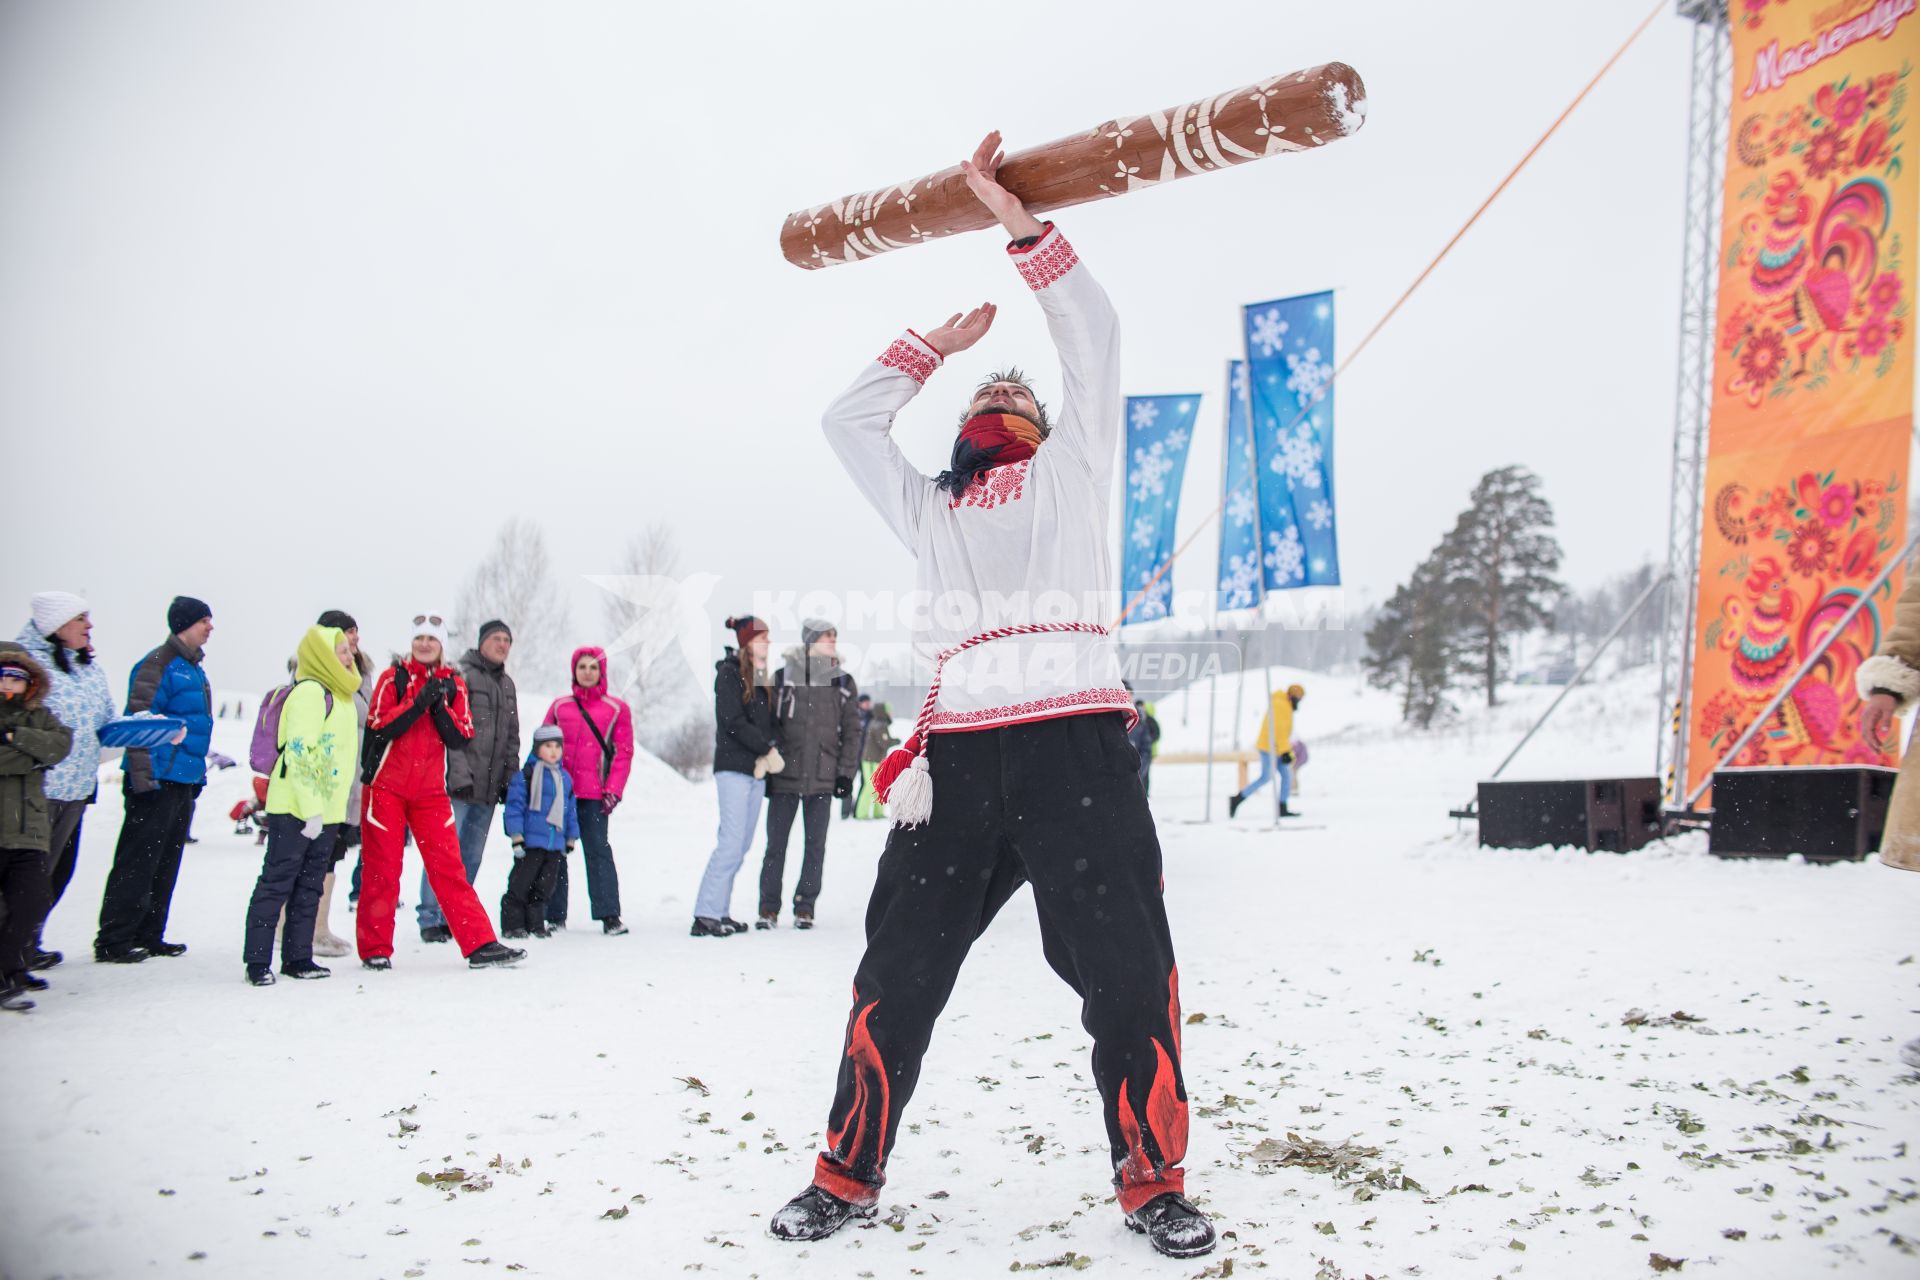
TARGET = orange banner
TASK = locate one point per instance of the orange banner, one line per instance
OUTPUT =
(1812, 410)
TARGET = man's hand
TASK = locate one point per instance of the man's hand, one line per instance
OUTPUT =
(1877, 720)
(961, 331)
(983, 179)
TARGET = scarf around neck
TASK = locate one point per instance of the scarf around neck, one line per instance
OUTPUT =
(549, 775)
(988, 440)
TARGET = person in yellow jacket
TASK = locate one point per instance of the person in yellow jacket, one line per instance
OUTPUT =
(1275, 745)
(307, 793)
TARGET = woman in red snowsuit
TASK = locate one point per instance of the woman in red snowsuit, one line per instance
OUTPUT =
(419, 711)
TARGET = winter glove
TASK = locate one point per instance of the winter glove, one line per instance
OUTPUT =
(569, 848)
(1286, 757)
(842, 788)
(609, 802)
(502, 797)
(519, 851)
(774, 761)
(434, 695)
(311, 827)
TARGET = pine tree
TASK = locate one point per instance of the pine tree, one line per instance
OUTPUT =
(1499, 560)
(1410, 645)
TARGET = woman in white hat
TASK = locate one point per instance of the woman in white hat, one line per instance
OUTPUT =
(60, 637)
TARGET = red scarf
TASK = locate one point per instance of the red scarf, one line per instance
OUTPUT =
(988, 440)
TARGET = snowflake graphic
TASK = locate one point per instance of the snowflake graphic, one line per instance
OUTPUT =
(1177, 438)
(1269, 331)
(1241, 582)
(1320, 514)
(1285, 556)
(1158, 594)
(1146, 532)
(1239, 381)
(1148, 478)
(1308, 375)
(1297, 458)
(1144, 414)
(1240, 508)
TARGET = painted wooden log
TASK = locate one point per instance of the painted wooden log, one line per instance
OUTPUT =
(1293, 112)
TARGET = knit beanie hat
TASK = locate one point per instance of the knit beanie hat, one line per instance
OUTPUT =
(745, 628)
(548, 733)
(53, 610)
(812, 629)
(430, 622)
(184, 612)
(489, 627)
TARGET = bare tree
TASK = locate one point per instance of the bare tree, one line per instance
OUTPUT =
(515, 582)
(653, 675)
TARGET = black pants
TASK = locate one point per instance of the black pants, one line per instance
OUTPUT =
(146, 863)
(530, 886)
(292, 876)
(63, 845)
(23, 886)
(815, 812)
(603, 879)
(1057, 803)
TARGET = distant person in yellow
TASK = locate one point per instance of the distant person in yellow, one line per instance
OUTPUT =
(1275, 745)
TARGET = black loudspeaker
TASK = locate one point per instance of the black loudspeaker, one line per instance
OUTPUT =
(1825, 814)
(1614, 814)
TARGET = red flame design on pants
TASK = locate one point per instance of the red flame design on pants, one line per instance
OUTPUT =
(1144, 1174)
(852, 1166)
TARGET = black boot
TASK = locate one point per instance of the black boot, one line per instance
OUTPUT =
(377, 963)
(436, 933)
(494, 956)
(708, 927)
(612, 927)
(1288, 813)
(30, 983)
(814, 1215)
(306, 972)
(13, 997)
(1234, 802)
(119, 955)
(260, 975)
(166, 948)
(44, 959)
(1173, 1226)
(803, 920)
(768, 920)
(733, 926)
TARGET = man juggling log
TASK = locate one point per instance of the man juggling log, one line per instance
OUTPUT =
(1018, 769)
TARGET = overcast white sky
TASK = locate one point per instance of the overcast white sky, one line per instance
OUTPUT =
(301, 302)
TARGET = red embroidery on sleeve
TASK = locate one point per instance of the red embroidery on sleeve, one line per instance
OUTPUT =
(1046, 262)
(910, 360)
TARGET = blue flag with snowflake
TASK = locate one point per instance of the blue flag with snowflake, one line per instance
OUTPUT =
(1159, 429)
(1289, 371)
(1239, 548)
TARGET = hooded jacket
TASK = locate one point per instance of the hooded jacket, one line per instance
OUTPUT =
(80, 699)
(478, 773)
(31, 741)
(532, 829)
(595, 774)
(742, 723)
(170, 682)
(319, 749)
(816, 720)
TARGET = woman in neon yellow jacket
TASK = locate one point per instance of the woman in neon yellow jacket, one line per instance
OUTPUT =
(306, 804)
(1275, 745)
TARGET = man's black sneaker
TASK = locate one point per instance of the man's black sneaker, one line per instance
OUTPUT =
(44, 960)
(166, 948)
(494, 956)
(119, 955)
(259, 975)
(708, 927)
(612, 927)
(436, 933)
(814, 1215)
(1234, 802)
(768, 922)
(1288, 813)
(14, 998)
(733, 926)
(306, 972)
(28, 982)
(1173, 1226)
(803, 922)
(381, 963)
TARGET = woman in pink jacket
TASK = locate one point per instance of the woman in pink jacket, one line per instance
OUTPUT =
(597, 750)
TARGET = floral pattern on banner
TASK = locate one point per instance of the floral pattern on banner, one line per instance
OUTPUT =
(1159, 429)
(1793, 558)
(1816, 252)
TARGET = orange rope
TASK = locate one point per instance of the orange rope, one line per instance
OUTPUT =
(1381, 323)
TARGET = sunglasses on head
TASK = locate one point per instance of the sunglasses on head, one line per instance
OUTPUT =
(434, 618)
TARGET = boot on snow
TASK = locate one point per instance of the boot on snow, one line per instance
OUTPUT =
(708, 927)
(814, 1215)
(379, 964)
(306, 972)
(436, 933)
(14, 996)
(767, 921)
(612, 927)
(1173, 1226)
(803, 920)
(494, 956)
(1234, 802)
(259, 975)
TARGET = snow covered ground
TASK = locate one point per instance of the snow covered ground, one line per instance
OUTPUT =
(1407, 1057)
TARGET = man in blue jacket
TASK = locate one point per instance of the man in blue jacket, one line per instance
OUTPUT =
(160, 787)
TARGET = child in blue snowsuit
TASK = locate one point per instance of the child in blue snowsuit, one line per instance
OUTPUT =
(543, 825)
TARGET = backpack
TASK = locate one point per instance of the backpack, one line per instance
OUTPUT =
(263, 753)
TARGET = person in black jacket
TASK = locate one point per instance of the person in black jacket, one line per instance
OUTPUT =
(817, 725)
(847, 802)
(743, 755)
